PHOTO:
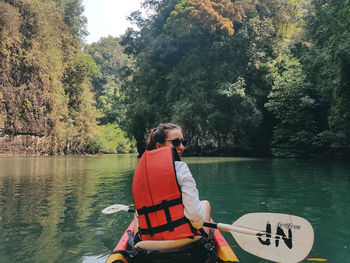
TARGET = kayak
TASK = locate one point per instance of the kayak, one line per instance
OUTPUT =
(185, 250)
(272, 236)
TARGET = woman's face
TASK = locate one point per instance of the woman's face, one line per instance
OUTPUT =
(172, 135)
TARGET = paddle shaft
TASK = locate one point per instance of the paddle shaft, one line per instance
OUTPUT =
(231, 228)
(293, 236)
(237, 229)
(225, 227)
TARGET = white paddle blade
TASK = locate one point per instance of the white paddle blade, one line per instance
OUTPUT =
(279, 238)
(115, 208)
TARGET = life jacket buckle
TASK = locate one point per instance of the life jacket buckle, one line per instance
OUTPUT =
(132, 253)
(208, 246)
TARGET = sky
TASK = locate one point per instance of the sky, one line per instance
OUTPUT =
(108, 17)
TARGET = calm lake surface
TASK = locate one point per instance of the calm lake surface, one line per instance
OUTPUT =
(50, 206)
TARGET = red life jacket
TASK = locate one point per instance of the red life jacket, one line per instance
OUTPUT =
(157, 197)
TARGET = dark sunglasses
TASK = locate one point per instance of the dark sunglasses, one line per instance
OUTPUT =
(177, 142)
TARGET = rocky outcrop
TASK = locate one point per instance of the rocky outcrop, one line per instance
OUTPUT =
(24, 121)
(24, 95)
(23, 145)
(46, 104)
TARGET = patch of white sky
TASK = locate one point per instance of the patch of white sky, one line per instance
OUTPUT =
(108, 17)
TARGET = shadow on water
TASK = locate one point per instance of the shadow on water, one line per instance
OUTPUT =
(50, 206)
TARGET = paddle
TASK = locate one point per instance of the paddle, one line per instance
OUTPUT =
(276, 237)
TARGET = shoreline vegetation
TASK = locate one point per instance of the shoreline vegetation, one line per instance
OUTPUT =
(243, 78)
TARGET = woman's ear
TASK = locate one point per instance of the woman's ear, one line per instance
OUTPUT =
(158, 145)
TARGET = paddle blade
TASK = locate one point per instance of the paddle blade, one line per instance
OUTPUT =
(280, 237)
(115, 208)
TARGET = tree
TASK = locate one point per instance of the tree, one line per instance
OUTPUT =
(324, 56)
(181, 65)
(45, 77)
(293, 103)
(108, 54)
(110, 138)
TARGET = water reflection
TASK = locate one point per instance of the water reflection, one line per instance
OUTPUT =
(317, 190)
(50, 206)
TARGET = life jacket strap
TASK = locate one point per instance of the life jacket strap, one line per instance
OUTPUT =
(162, 228)
(162, 206)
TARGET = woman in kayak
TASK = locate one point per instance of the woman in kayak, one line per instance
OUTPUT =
(164, 190)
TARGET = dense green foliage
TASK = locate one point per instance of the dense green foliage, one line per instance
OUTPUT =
(327, 63)
(45, 77)
(108, 54)
(109, 95)
(293, 104)
(241, 77)
(110, 138)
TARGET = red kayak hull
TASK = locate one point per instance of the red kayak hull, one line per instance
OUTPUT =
(223, 249)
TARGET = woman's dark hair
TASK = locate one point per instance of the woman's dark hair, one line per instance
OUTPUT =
(159, 134)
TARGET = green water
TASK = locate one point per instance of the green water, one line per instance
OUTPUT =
(50, 206)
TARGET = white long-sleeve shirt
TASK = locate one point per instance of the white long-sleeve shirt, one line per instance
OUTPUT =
(193, 209)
